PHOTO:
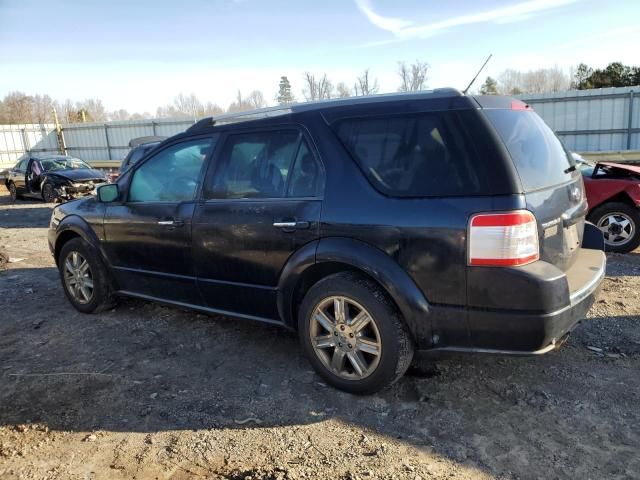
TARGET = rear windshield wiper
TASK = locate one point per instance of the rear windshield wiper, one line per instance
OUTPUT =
(572, 168)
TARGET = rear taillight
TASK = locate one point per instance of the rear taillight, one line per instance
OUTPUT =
(503, 239)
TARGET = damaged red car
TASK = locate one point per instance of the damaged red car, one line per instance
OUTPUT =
(613, 194)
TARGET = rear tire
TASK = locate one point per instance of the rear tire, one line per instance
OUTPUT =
(84, 278)
(620, 224)
(343, 350)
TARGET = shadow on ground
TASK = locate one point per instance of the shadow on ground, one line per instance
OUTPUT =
(37, 217)
(148, 368)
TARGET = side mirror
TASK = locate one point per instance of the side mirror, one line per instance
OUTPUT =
(108, 193)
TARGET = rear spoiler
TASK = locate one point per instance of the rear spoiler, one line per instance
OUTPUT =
(500, 102)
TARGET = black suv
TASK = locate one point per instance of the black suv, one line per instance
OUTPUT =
(373, 226)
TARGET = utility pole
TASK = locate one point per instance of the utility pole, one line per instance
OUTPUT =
(61, 146)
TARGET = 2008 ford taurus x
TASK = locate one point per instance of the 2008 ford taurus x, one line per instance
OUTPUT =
(373, 226)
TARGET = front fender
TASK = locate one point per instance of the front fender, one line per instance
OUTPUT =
(78, 226)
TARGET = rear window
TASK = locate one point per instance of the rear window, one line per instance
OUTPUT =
(539, 156)
(417, 155)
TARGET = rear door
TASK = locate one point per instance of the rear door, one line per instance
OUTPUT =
(553, 187)
(261, 204)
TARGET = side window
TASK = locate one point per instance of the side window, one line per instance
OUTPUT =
(306, 175)
(417, 155)
(172, 174)
(22, 165)
(256, 165)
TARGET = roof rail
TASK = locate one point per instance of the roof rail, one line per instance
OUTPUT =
(238, 117)
(279, 110)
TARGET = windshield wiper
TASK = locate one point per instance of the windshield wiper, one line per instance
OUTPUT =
(572, 168)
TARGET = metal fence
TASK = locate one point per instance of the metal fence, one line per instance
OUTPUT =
(109, 141)
(598, 120)
(587, 121)
(94, 142)
(16, 140)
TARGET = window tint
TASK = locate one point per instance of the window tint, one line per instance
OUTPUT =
(172, 174)
(416, 155)
(537, 153)
(22, 165)
(306, 175)
(255, 165)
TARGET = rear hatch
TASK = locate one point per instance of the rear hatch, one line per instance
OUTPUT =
(552, 186)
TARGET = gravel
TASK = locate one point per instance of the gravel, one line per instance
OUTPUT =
(146, 391)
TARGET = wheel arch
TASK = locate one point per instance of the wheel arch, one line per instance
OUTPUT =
(73, 227)
(332, 255)
(622, 197)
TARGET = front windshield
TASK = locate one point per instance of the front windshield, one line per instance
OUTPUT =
(69, 163)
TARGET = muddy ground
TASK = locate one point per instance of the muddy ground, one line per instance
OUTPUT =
(145, 391)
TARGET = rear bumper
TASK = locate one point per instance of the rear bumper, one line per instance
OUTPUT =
(526, 332)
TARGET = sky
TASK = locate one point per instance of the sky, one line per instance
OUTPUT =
(138, 55)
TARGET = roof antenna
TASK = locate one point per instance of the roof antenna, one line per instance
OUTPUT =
(479, 71)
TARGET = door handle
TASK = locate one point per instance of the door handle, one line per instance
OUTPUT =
(171, 223)
(285, 224)
(290, 225)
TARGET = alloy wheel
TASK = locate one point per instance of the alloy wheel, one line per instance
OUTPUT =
(618, 228)
(78, 278)
(345, 338)
(48, 194)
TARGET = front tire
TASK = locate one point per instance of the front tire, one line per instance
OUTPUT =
(49, 195)
(353, 334)
(84, 278)
(620, 225)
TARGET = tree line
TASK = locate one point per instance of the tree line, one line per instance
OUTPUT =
(582, 77)
(18, 107)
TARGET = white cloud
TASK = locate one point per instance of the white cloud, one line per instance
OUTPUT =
(404, 29)
(385, 23)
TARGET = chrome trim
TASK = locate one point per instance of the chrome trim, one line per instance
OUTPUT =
(552, 346)
(201, 308)
(285, 224)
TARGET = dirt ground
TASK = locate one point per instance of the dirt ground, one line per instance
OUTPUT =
(146, 391)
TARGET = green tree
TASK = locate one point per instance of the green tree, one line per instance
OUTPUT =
(489, 87)
(581, 77)
(285, 97)
(616, 74)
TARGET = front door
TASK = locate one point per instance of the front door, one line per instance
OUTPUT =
(33, 177)
(148, 235)
(261, 203)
